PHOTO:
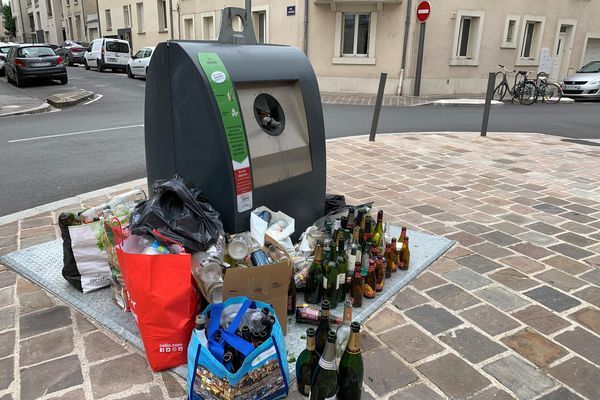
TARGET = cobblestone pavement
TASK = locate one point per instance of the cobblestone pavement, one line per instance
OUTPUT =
(512, 311)
(369, 99)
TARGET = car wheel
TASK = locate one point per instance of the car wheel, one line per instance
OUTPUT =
(64, 81)
(129, 74)
(8, 78)
(18, 81)
(100, 66)
(69, 61)
(2, 72)
(85, 64)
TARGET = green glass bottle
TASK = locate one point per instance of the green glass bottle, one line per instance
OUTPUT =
(325, 381)
(342, 265)
(322, 329)
(356, 286)
(313, 292)
(307, 363)
(377, 235)
(331, 283)
(351, 368)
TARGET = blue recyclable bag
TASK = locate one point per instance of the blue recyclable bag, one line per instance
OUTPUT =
(264, 373)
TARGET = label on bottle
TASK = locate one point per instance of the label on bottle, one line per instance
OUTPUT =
(324, 283)
(330, 365)
(341, 279)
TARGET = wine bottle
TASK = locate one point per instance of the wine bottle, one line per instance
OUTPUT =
(323, 328)
(356, 291)
(379, 274)
(350, 224)
(402, 236)
(307, 363)
(200, 330)
(325, 380)
(370, 281)
(404, 255)
(394, 255)
(331, 283)
(313, 293)
(388, 260)
(377, 234)
(342, 266)
(368, 231)
(291, 298)
(351, 368)
(343, 331)
(307, 314)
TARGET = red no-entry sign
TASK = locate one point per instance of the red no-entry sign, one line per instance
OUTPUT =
(423, 11)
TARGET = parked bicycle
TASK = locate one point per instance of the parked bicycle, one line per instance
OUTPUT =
(523, 90)
(550, 92)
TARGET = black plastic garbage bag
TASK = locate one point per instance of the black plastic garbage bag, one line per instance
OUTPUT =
(181, 212)
(334, 202)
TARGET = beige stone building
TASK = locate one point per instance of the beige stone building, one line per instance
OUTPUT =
(80, 20)
(38, 21)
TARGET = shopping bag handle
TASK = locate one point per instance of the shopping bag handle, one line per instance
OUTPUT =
(117, 227)
(217, 348)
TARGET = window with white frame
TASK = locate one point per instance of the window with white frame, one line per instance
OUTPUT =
(355, 34)
(139, 8)
(531, 40)
(467, 38)
(259, 19)
(162, 15)
(208, 28)
(127, 16)
(108, 20)
(511, 30)
(49, 8)
(188, 28)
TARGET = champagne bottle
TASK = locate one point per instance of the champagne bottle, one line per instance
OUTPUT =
(370, 281)
(343, 331)
(377, 235)
(325, 381)
(291, 299)
(356, 291)
(350, 224)
(404, 255)
(366, 256)
(313, 292)
(331, 283)
(368, 231)
(394, 255)
(323, 328)
(388, 260)
(351, 368)
(307, 363)
(342, 265)
(343, 222)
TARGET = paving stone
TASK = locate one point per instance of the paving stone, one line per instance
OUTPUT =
(561, 394)
(7, 318)
(386, 372)
(493, 394)
(501, 298)
(453, 376)
(552, 298)
(509, 228)
(541, 319)
(453, 297)
(36, 222)
(582, 209)
(174, 388)
(36, 232)
(513, 279)
(410, 343)
(25, 243)
(34, 301)
(444, 265)
(8, 241)
(544, 228)
(44, 320)
(554, 200)
(83, 324)
(472, 345)
(534, 347)
(523, 264)
(7, 343)
(46, 347)
(427, 210)
(457, 252)
(467, 278)
(7, 373)
(385, 319)
(588, 317)
(76, 394)
(537, 238)
(479, 264)
(7, 278)
(368, 342)
(515, 218)
(115, 375)
(577, 217)
(51, 376)
(580, 376)
(560, 279)
(8, 249)
(571, 251)
(7, 296)
(489, 320)
(491, 250)
(9, 229)
(25, 286)
(577, 227)
(465, 239)
(500, 238)
(567, 265)
(577, 240)
(549, 208)
(531, 250)
(99, 346)
(590, 294)
(581, 341)
(408, 298)
(473, 228)
(417, 392)
(427, 280)
(152, 394)
(435, 320)
(519, 377)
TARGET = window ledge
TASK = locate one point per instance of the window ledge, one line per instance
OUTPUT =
(354, 60)
(526, 62)
(506, 45)
(163, 30)
(109, 29)
(464, 62)
(141, 33)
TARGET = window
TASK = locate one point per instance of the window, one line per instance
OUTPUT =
(36, 3)
(467, 38)
(127, 16)
(259, 19)
(162, 15)
(208, 28)
(78, 27)
(148, 53)
(70, 23)
(49, 7)
(140, 16)
(38, 19)
(188, 28)
(140, 53)
(117, 47)
(511, 28)
(530, 40)
(355, 35)
(108, 20)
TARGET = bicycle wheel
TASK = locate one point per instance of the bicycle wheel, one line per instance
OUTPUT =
(500, 92)
(551, 93)
(527, 93)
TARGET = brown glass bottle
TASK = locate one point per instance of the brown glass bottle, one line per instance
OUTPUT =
(388, 260)
(370, 281)
(356, 291)
(394, 255)
(404, 255)
(379, 274)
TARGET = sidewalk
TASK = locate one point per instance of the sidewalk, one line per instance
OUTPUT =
(512, 311)
(13, 102)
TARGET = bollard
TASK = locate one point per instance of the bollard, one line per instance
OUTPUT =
(377, 110)
(488, 103)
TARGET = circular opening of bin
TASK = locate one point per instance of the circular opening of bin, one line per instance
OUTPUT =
(269, 114)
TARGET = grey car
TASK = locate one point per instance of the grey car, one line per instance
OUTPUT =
(585, 83)
(26, 62)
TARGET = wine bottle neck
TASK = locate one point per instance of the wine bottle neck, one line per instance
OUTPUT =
(354, 343)
(327, 360)
(310, 343)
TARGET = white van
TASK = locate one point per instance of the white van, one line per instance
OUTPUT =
(107, 53)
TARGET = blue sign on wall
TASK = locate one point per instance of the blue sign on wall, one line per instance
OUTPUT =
(291, 10)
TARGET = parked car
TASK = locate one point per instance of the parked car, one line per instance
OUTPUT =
(72, 51)
(138, 63)
(107, 53)
(585, 83)
(4, 47)
(26, 62)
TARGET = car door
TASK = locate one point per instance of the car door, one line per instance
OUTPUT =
(8, 65)
(146, 61)
(91, 56)
(136, 64)
(123, 53)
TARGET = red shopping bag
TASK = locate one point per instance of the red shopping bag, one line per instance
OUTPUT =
(163, 301)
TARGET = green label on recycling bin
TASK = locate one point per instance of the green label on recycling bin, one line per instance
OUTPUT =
(224, 93)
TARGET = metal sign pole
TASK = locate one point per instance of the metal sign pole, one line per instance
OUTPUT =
(417, 90)
(488, 103)
(377, 110)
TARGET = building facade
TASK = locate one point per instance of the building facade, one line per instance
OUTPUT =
(38, 21)
(80, 20)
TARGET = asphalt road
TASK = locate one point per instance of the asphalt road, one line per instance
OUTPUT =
(52, 156)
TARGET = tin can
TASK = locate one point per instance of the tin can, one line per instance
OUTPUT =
(259, 257)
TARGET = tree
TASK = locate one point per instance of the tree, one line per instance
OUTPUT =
(10, 27)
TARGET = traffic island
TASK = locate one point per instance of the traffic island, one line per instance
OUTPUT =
(63, 100)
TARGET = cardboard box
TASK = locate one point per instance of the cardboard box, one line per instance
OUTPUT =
(267, 283)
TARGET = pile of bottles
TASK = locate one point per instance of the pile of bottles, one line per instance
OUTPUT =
(256, 327)
(118, 206)
(331, 365)
(354, 256)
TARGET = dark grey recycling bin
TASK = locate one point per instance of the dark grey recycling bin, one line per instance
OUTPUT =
(243, 121)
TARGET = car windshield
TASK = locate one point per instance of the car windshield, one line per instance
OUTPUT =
(32, 52)
(5, 49)
(592, 67)
(117, 47)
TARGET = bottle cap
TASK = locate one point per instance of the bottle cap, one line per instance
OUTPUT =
(263, 334)
(355, 327)
(311, 332)
(200, 320)
(331, 336)
(325, 305)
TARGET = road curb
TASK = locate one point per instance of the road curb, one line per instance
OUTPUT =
(62, 100)
(42, 108)
(464, 103)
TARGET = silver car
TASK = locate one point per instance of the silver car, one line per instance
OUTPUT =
(585, 83)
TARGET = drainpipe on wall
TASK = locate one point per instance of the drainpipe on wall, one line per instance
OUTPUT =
(22, 22)
(98, 15)
(85, 31)
(171, 19)
(306, 28)
(406, 31)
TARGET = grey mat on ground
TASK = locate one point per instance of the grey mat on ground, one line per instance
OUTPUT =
(43, 263)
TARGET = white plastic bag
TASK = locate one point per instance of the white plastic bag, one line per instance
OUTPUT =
(258, 228)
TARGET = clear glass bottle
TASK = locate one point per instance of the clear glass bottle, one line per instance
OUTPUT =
(343, 331)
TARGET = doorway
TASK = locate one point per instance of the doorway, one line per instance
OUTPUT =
(125, 34)
(562, 52)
